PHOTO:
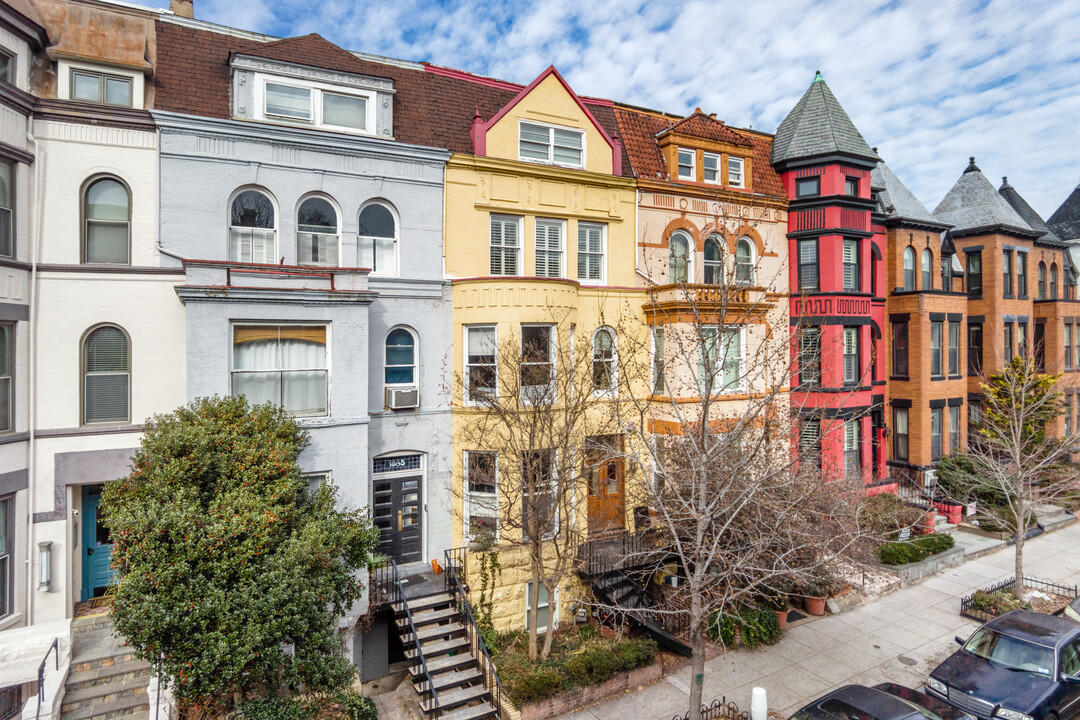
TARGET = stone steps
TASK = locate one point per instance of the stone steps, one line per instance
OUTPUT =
(106, 680)
(107, 674)
(1053, 517)
(104, 692)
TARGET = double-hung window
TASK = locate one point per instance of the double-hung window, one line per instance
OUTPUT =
(282, 364)
(851, 356)
(7, 397)
(538, 502)
(1022, 339)
(1068, 347)
(927, 270)
(935, 350)
(7, 205)
(810, 443)
(900, 349)
(106, 376)
(735, 172)
(946, 271)
(909, 269)
(1010, 351)
(537, 362)
(102, 88)
(107, 222)
(954, 348)
(810, 356)
(481, 480)
(851, 265)
(549, 248)
(1076, 346)
(590, 247)
(851, 186)
(603, 368)
(852, 449)
(7, 542)
(710, 166)
(686, 164)
(1006, 273)
(808, 265)
(900, 433)
(505, 245)
(549, 144)
(975, 348)
(954, 428)
(481, 372)
(1021, 275)
(974, 273)
(720, 358)
(935, 434)
(658, 359)
(1041, 281)
(544, 613)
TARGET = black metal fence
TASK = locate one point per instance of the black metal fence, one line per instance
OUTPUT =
(968, 610)
(382, 589)
(721, 709)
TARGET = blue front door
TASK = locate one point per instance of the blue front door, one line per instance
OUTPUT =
(96, 545)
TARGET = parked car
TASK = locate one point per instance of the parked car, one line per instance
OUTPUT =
(1022, 665)
(1073, 610)
(887, 701)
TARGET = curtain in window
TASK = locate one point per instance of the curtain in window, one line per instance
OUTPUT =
(316, 237)
(400, 358)
(285, 366)
(251, 232)
(678, 259)
(106, 209)
(106, 379)
(909, 269)
(378, 236)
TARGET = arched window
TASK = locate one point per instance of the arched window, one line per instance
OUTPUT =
(679, 258)
(377, 238)
(252, 228)
(909, 268)
(317, 232)
(744, 261)
(1053, 281)
(106, 362)
(400, 357)
(106, 222)
(1042, 280)
(714, 261)
(927, 270)
(603, 359)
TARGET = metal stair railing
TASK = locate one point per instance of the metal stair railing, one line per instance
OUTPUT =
(54, 648)
(454, 582)
(419, 650)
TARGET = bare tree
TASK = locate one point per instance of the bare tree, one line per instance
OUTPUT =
(532, 412)
(1014, 463)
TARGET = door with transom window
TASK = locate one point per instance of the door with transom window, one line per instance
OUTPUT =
(606, 503)
(397, 506)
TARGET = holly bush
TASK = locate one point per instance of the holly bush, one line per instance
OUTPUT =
(232, 571)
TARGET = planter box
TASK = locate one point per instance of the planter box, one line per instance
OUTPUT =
(994, 534)
(578, 698)
(952, 510)
(914, 572)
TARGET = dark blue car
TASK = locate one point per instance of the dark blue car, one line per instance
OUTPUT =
(1020, 666)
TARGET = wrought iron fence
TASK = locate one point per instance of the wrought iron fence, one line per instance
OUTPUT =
(968, 610)
(382, 589)
(721, 709)
(596, 557)
(455, 585)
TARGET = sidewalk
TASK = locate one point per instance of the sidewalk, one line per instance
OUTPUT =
(899, 637)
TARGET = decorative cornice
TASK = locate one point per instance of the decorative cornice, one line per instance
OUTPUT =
(241, 61)
(272, 296)
(554, 172)
(716, 193)
(23, 26)
(109, 269)
(92, 114)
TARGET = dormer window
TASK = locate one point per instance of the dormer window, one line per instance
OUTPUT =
(551, 144)
(735, 171)
(286, 101)
(711, 167)
(317, 105)
(97, 87)
(686, 165)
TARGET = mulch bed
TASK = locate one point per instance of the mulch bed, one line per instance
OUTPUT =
(1045, 601)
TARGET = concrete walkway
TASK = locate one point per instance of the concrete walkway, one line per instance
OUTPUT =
(900, 637)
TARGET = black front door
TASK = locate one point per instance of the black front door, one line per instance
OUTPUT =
(396, 503)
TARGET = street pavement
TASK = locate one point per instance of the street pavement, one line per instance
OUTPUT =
(898, 637)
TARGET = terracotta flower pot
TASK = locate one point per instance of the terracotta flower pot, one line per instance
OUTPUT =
(814, 605)
(781, 617)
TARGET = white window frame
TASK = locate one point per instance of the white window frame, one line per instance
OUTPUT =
(856, 371)
(551, 128)
(657, 352)
(519, 255)
(741, 163)
(465, 358)
(316, 479)
(553, 340)
(416, 358)
(752, 265)
(718, 386)
(277, 221)
(613, 362)
(853, 444)
(84, 373)
(7, 379)
(317, 90)
(7, 508)
(11, 78)
(7, 219)
(297, 231)
(689, 256)
(376, 272)
(552, 607)
(65, 85)
(602, 227)
(705, 169)
(692, 177)
(233, 324)
(561, 250)
(490, 501)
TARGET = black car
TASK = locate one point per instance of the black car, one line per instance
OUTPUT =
(887, 701)
(1020, 666)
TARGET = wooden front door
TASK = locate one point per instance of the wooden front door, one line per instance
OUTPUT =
(97, 573)
(607, 509)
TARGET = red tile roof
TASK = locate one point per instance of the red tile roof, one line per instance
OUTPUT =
(638, 130)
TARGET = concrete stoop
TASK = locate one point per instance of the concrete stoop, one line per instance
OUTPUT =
(942, 524)
(106, 679)
(1053, 517)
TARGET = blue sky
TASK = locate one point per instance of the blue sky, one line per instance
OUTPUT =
(928, 83)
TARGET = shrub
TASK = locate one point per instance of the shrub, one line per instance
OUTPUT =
(935, 543)
(920, 548)
(535, 684)
(756, 625)
(885, 513)
(997, 603)
(357, 706)
(274, 708)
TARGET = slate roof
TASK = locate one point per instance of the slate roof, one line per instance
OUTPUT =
(818, 125)
(432, 106)
(1066, 219)
(897, 201)
(639, 129)
(973, 206)
(698, 124)
(1028, 213)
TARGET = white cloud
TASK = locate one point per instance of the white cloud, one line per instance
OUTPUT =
(929, 82)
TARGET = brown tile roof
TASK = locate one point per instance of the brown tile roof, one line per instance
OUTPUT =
(638, 130)
(701, 125)
(432, 107)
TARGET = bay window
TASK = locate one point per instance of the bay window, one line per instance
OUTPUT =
(481, 482)
(851, 265)
(808, 265)
(935, 434)
(954, 428)
(900, 349)
(935, 350)
(7, 396)
(549, 248)
(537, 362)
(7, 205)
(282, 364)
(851, 356)
(900, 433)
(852, 449)
(590, 260)
(603, 367)
(954, 348)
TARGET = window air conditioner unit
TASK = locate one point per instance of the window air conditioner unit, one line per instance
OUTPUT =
(402, 398)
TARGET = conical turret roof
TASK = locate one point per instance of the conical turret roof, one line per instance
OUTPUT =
(1025, 211)
(973, 207)
(818, 125)
(1065, 221)
(897, 201)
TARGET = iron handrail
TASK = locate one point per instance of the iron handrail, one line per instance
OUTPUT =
(416, 639)
(453, 584)
(54, 648)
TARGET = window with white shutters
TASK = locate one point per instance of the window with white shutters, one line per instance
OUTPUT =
(317, 232)
(810, 443)
(106, 376)
(808, 265)
(549, 248)
(851, 355)
(505, 245)
(590, 252)
(252, 233)
(852, 449)
(549, 144)
(851, 265)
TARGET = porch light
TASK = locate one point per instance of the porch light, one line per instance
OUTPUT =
(45, 566)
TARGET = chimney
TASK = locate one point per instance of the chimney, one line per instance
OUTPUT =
(183, 8)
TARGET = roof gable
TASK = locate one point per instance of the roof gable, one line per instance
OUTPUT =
(312, 50)
(973, 205)
(818, 125)
(700, 125)
(1066, 219)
